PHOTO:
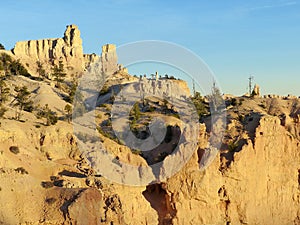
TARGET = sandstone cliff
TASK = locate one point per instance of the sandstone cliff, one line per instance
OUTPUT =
(49, 51)
(109, 58)
(253, 180)
(67, 49)
(256, 184)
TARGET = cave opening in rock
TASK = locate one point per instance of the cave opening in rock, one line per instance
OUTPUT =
(162, 202)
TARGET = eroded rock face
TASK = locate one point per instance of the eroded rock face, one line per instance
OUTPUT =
(164, 87)
(90, 58)
(68, 49)
(109, 59)
(256, 90)
(86, 209)
(260, 185)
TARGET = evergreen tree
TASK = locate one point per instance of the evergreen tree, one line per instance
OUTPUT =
(198, 101)
(72, 91)
(40, 70)
(47, 113)
(2, 47)
(22, 100)
(4, 91)
(216, 100)
(12, 67)
(16, 68)
(68, 109)
(59, 74)
(136, 111)
(5, 62)
(2, 111)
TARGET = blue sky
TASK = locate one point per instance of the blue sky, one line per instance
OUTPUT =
(235, 38)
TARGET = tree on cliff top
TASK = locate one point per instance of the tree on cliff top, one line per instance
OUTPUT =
(215, 98)
(2, 47)
(198, 101)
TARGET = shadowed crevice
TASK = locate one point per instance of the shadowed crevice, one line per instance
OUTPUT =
(159, 200)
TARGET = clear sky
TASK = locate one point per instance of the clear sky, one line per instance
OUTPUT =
(235, 38)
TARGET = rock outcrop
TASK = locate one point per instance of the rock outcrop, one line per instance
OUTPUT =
(256, 91)
(68, 49)
(255, 182)
(164, 87)
(261, 185)
(109, 59)
(90, 58)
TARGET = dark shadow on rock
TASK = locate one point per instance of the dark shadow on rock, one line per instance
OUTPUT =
(159, 200)
(71, 174)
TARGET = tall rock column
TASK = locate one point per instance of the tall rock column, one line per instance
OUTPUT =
(109, 59)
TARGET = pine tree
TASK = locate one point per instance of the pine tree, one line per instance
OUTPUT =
(59, 74)
(16, 68)
(47, 113)
(6, 60)
(216, 100)
(198, 101)
(22, 100)
(72, 91)
(40, 70)
(2, 111)
(136, 111)
(68, 109)
(12, 67)
(4, 91)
